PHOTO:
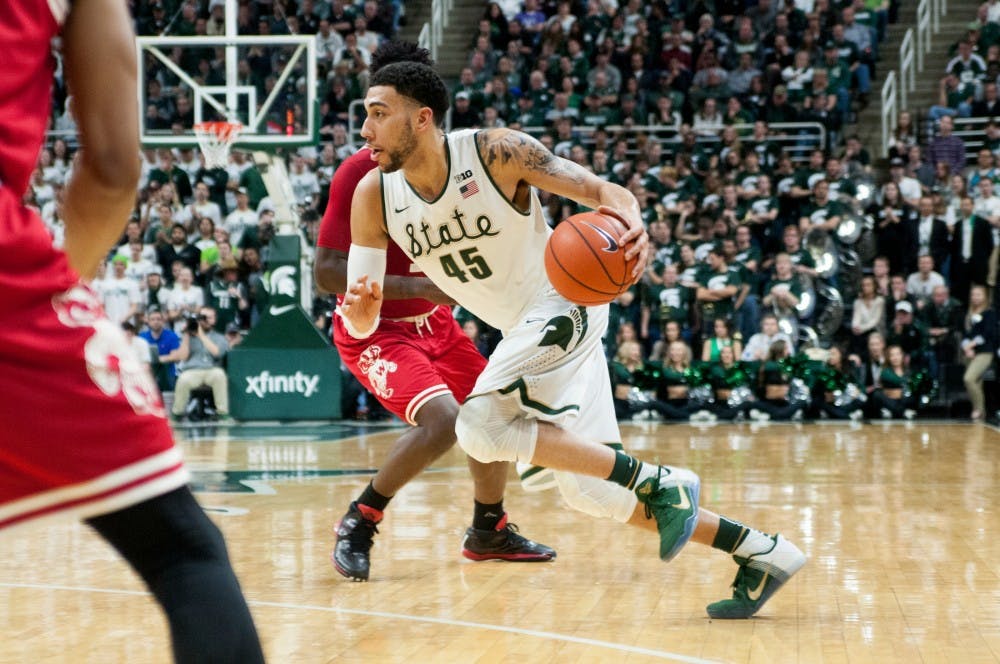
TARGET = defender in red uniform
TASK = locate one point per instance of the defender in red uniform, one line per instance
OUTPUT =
(83, 429)
(420, 366)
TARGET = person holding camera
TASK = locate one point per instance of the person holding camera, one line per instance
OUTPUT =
(201, 353)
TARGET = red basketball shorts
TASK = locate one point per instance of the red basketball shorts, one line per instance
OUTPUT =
(405, 366)
(82, 428)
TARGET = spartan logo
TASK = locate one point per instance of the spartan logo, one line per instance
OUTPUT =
(566, 331)
(282, 281)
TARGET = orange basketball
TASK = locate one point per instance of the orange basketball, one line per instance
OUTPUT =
(585, 260)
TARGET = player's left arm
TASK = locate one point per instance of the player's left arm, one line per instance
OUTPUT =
(513, 157)
(100, 64)
(366, 259)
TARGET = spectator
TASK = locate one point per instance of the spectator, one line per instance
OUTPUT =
(909, 187)
(241, 218)
(142, 349)
(226, 295)
(984, 168)
(168, 172)
(967, 66)
(202, 352)
(784, 290)
(979, 345)
(185, 299)
(463, 115)
(942, 320)
(708, 120)
(759, 345)
(167, 344)
(861, 75)
(922, 283)
(904, 136)
(897, 294)
(820, 211)
(861, 36)
(532, 20)
(989, 105)
(947, 148)
(930, 236)
(118, 293)
(780, 109)
(873, 363)
(971, 249)
(832, 385)
(673, 387)
(907, 334)
(892, 399)
(200, 207)
(726, 376)
(133, 235)
(722, 337)
(138, 266)
(178, 250)
(774, 384)
(716, 292)
(798, 77)
(154, 292)
(305, 184)
(328, 42)
(867, 316)
(895, 224)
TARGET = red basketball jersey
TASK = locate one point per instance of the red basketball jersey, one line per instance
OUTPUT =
(26, 67)
(83, 428)
(335, 232)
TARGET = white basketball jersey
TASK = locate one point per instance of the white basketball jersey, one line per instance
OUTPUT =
(471, 241)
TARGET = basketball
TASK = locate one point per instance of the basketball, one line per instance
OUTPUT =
(585, 260)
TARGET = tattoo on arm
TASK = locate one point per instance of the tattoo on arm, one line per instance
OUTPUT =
(501, 147)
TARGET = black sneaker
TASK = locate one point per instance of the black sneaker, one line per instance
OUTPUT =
(504, 543)
(355, 536)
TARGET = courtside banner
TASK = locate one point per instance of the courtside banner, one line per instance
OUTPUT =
(284, 384)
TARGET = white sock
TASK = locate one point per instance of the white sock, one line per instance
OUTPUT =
(646, 470)
(755, 542)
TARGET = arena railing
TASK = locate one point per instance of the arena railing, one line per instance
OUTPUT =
(923, 31)
(929, 13)
(973, 132)
(432, 33)
(890, 112)
(907, 72)
(797, 139)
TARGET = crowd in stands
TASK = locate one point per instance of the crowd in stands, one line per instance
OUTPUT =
(687, 104)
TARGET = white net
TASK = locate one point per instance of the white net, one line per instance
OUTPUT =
(215, 140)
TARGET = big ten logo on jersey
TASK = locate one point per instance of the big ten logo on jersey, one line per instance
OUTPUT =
(425, 240)
(463, 176)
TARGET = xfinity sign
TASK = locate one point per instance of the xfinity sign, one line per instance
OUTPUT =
(266, 383)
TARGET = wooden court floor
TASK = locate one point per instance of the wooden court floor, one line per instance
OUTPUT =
(900, 523)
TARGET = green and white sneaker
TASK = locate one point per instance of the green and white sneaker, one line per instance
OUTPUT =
(759, 577)
(672, 499)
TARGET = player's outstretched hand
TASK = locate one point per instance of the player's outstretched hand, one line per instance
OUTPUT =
(362, 303)
(635, 239)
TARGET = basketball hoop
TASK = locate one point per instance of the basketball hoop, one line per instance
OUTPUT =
(215, 140)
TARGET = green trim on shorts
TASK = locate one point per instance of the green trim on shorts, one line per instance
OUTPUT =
(522, 392)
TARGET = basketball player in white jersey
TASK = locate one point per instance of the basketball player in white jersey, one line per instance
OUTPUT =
(462, 208)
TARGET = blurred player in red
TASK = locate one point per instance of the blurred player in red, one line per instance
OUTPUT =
(420, 366)
(83, 429)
